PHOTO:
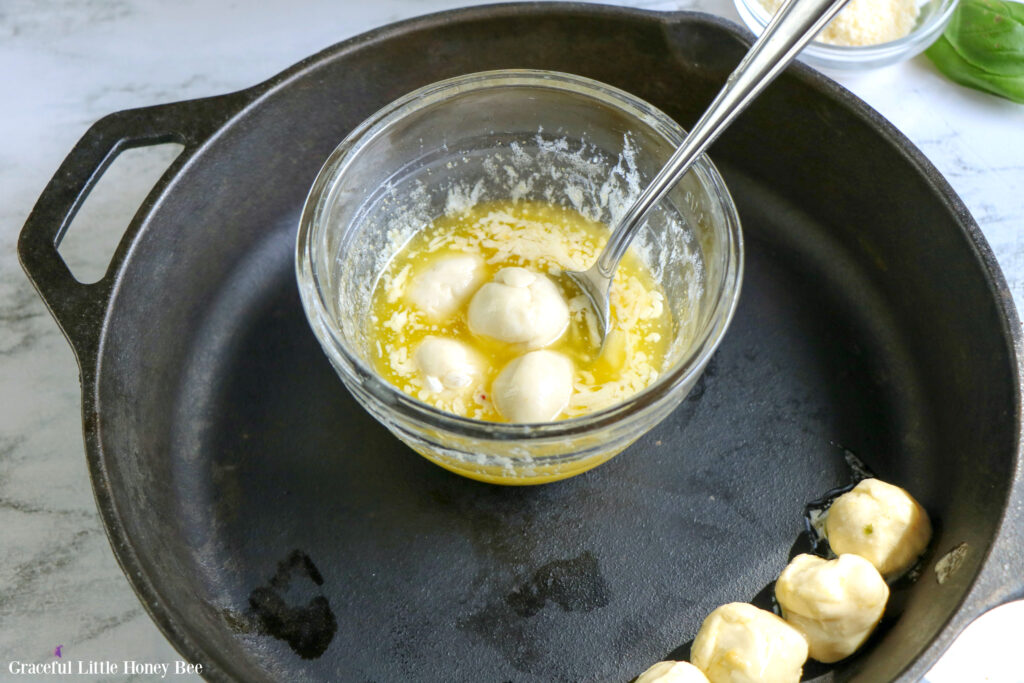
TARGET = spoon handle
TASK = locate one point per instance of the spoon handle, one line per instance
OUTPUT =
(796, 23)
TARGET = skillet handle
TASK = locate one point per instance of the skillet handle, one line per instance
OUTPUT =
(78, 307)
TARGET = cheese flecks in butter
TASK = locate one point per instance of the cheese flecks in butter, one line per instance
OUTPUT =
(489, 278)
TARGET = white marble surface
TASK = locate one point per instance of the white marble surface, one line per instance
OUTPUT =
(66, 63)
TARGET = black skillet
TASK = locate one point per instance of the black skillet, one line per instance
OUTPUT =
(274, 531)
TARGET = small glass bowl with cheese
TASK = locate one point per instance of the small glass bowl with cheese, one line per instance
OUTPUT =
(493, 144)
(867, 34)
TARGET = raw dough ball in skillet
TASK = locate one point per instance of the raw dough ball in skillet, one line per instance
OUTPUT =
(835, 604)
(880, 522)
(534, 387)
(672, 672)
(445, 285)
(519, 307)
(739, 643)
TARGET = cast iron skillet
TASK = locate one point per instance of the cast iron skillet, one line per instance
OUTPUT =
(274, 531)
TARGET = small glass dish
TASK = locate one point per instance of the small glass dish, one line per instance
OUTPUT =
(931, 21)
(497, 135)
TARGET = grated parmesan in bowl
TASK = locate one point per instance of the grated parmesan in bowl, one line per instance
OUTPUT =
(865, 22)
(866, 34)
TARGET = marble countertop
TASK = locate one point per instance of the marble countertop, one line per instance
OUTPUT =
(66, 63)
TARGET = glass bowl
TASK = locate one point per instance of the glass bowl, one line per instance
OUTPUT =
(931, 22)
(534, 135)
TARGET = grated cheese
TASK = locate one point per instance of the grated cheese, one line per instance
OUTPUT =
(865, 22)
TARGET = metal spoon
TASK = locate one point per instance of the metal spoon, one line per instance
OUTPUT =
(792, 27)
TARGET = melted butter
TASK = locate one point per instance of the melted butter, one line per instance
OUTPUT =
(545, 238)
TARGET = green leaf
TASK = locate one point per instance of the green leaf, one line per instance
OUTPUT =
(983, 47)
(990, 35)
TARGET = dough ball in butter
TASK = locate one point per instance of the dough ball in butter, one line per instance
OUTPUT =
(880, 522)
(521, 307)
(835, 604)
(739, 643)
(446, 364)
(444, 286)
(672, 672)
(534, 387)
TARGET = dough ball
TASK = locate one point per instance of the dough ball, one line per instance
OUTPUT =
(880, 522)
(446, 364)
(534, 387)
(739, 643)
(672, 672)
(446, 285)
(519, 307)
(835, 604)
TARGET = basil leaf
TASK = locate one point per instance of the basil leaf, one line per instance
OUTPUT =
(983, 47)
(990, 35)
